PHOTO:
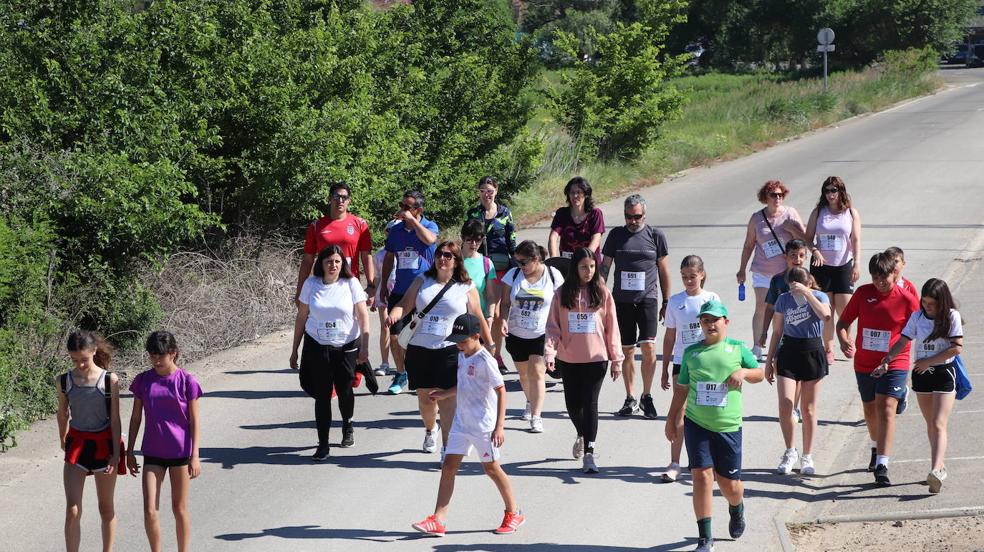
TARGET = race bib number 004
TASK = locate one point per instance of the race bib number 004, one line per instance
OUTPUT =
(875, 340)
(712, 394)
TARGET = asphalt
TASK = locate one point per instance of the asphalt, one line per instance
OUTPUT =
(914, 172)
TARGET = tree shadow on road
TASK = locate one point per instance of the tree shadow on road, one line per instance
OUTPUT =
(569, 472)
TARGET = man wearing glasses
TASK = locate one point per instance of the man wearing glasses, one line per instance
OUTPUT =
(343, 229)
(410, 251)
(639, 253)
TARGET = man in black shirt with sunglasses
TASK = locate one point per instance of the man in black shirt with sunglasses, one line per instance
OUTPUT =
(639, 253)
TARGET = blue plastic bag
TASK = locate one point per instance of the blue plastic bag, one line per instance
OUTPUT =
(963, 381)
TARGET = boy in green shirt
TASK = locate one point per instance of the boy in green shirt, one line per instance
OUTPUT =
(709, 384)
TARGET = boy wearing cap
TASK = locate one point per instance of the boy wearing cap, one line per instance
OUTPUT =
(709, 384)
(478, 421)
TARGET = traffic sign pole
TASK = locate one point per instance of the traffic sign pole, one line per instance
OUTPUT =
(826, 39)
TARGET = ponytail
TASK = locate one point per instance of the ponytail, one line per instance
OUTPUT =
(84, 340)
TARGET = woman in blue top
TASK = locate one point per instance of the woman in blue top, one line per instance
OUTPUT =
(798, 356)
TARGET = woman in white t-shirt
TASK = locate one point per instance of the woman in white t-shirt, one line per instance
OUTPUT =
(683, 330)
(524, 305)
(333, 321)
(936, 333)
(431, 360)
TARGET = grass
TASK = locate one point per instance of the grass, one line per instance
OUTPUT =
(726, 116)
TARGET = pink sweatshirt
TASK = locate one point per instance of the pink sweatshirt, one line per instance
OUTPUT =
(579, 344)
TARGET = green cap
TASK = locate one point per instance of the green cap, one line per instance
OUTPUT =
(713, 308)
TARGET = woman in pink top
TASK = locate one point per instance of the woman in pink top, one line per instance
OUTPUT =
(768, 231)
(582, 337)
(834, 235)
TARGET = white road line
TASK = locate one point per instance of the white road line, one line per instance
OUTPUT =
(967, 411)
(928, 460)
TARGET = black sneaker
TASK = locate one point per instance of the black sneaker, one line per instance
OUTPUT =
(881, 476)
(903, 402)
(736, 527)
(648, 408)
(321, 454)
(630, 407)
(704, 545)
(348, 435)
(874, 458)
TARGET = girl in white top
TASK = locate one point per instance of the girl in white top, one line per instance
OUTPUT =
(834, 234)
(333, 320)
(683, 330)
(431, 360)
(936, 333)
(524, 306)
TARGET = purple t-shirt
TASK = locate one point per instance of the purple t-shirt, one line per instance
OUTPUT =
(165, 407)
(574, 236)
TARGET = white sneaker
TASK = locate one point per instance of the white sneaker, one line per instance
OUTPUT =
(382, 369)
(797, 416)
(758, 353)
(671, 474)
(527, 413)
(536, 424)
(935, 480)
(806, 465)
(786, 463)
(430, 445)
(578, 450)
(588, 463)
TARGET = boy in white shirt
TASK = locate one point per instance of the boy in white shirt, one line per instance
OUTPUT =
(478, 423)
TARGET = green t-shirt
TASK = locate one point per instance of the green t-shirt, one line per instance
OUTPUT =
(710, 404)
(476, 271)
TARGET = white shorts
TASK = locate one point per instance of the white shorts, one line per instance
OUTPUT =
(461, 443)
(760, 280)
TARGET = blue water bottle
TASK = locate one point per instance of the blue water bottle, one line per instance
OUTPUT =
(741, 291)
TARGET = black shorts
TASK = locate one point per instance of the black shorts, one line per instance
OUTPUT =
(394, 300)
(432, 368)
(802, 359)
(834, 279)
(521, 349)
(638, 322)
(938, 379)
(166, 462)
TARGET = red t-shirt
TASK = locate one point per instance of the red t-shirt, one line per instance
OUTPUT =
(880, 322)
(350, 233)
(908, 286)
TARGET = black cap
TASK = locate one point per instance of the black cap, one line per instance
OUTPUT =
(464, 327)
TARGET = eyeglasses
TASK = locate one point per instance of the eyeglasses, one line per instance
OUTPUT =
(576, 193)
(408, 207)
(340, 198)
(486, 191)
(629, 216)
(777, 195)
(830, 190)
(523, 262)
(447, 255)
(474, 239)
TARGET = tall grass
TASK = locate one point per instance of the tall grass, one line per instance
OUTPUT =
(726, 116)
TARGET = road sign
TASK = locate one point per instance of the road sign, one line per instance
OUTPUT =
(825, 36)
(825, 48)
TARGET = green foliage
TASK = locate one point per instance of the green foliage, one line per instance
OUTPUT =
(615, 105)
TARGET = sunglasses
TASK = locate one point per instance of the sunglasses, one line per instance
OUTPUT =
(777, 195)
(447, 255)
(341, 198)
(408, 207)
(474, 239)
(633, 217)
(830, 190)
(488, 191)
(523, 262)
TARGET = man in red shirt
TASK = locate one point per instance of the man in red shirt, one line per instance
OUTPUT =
(881, 309)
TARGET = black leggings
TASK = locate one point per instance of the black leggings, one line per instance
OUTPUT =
(324, 367)
(582, 384)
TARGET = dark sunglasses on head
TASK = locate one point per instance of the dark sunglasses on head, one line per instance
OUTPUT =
(633, 217)
(830, 190)
(444, 255)
(777, 195)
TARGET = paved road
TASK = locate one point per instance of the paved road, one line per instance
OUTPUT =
(914, 173)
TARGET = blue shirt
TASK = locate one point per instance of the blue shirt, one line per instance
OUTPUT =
(800, 321)
(412, 256)
(777, 286)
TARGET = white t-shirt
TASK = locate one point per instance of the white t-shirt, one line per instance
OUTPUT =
(435, 326)
(681, 314)
(478, 407)
(918, 329)
(379, 257)
(530, 303)
(331, 319)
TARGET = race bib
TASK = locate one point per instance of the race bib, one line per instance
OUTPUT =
(830, 242)
(771, 248)
(408, 260)
(712, 394)
(926, 350)
(691, 333)
(525, 319)
(330, 331)
(633, 281)
(567, 254)
(433, 324)
(875, 340)
(581, 322)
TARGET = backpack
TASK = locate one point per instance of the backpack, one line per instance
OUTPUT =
(546, 267)
(107, 390)
(962, 380)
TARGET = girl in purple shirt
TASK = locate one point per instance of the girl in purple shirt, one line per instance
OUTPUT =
(168, 396)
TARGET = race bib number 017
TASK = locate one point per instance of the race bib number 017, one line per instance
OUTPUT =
(712, 394)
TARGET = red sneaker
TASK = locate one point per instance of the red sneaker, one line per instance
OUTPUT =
(357, 381)
(333, 393)
(510, 522)
(431, 526)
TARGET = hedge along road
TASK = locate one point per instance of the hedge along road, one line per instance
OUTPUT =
(912, 172)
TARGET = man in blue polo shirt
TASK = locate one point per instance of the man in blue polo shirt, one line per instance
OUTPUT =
(410, 252)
